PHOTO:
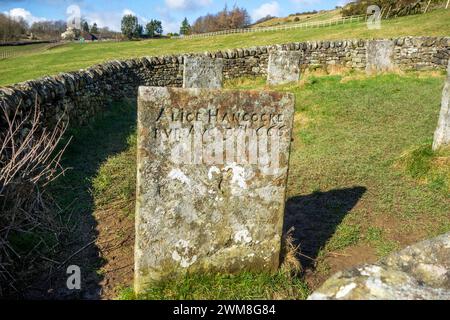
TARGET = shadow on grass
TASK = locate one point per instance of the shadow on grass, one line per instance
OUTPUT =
(91, 146)
(315, 218)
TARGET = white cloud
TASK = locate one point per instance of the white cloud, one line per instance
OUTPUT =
(128, 12)
(142, 20)
(343, 2)
(171, 26)
(187, 4)
(306, 2)
(269, 8)
(25, 14)
(112, 20)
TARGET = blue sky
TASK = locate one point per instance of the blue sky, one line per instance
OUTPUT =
(170, 12)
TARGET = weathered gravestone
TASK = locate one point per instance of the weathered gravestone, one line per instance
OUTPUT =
(442, 134)
(284, 67)
(380, 56)
(212, 170)
(202, 72)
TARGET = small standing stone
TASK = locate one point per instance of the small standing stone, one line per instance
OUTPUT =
(442, 134)
(284, 67)
(212, 171)
(202, 72)
(380, 56)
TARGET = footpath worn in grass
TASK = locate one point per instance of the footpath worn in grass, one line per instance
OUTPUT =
(74, 56)
(97, 204)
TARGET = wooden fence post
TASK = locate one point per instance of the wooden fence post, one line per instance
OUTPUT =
(305, 25)
(426, 9)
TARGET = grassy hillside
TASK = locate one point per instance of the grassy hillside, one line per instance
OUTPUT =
(26, 48)
(75, 56)
(301, 18)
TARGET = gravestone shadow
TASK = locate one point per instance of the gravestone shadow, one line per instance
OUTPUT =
(315, 218)
(91, 146)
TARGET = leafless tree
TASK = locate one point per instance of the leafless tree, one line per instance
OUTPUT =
(223, 20)
(12, 29)
(394, 8)
(48, 30)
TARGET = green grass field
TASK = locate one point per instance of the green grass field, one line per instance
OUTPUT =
(26, 48)
(74, 56)
(11, 52)
(362, 181)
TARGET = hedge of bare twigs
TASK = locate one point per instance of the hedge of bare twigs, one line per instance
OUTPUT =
(390, 8)
(29, 226)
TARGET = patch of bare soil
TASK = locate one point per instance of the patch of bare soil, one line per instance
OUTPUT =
(79, 250)
(102, 246)
(115, 243)
(315, 218)
(337, 261)
(403, 233)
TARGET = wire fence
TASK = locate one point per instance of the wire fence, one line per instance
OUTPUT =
(305, 25)
(7, 52)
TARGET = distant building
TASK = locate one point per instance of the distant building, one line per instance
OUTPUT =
(72, 34)
(87, 36)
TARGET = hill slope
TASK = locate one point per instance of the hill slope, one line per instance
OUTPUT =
(301, 18)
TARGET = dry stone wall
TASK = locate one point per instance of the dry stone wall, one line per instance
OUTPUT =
(81, 94)
(421, 53)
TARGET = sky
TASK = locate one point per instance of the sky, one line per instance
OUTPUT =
(170, 12)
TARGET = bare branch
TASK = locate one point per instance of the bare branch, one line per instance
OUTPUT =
(30, 158)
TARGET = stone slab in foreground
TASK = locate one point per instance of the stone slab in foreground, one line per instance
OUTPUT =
(442, 134)
(212, 171)
(421, 271)
(284, 67)
(202, 72)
